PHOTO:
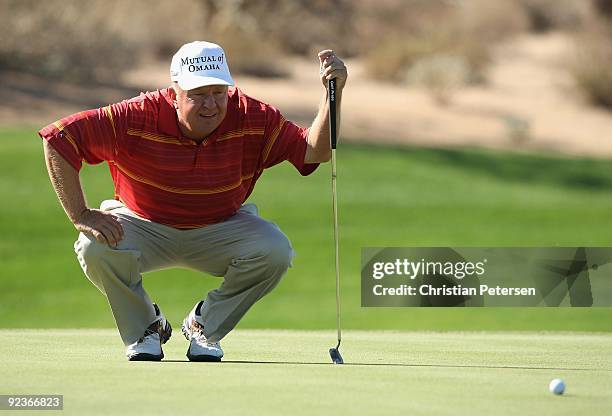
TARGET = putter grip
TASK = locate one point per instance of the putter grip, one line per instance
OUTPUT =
(332, 111)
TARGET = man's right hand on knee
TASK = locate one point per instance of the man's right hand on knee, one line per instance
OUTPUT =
(101, 225)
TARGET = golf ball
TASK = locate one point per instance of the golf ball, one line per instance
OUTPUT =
(557, 386)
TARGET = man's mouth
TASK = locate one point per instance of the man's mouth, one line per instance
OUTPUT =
(208, 115)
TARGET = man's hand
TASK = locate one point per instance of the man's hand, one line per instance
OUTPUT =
(319, 150)
(330, 66)
(101, 225)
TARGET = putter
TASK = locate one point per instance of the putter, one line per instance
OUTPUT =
(334, 353)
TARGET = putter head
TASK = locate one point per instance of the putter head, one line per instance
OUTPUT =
(334, 353)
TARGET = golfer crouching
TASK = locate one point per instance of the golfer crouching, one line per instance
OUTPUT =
(184, 159)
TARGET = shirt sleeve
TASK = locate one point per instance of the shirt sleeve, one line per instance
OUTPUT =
(285, 141)
(88, 136)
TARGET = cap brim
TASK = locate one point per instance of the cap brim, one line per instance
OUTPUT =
(190, 83)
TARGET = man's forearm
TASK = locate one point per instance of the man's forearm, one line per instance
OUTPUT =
(318, 137)
(66, 183)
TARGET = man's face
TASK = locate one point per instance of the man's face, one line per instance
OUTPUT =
(201, 110)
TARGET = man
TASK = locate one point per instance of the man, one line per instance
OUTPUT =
(183, 160)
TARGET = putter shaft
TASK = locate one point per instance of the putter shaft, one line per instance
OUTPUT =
(337, 254)
(333, 141)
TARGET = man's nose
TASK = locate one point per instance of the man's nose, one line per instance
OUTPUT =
(208, 101)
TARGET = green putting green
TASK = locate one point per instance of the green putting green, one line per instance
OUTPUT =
(272, 372)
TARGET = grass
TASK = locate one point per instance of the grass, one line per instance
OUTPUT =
(387, 197)
(289, 372)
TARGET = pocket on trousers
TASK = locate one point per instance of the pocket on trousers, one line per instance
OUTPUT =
(110, 204)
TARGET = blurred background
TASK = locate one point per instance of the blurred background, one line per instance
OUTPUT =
(464, 123)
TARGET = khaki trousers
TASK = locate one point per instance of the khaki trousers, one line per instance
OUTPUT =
(250, 253)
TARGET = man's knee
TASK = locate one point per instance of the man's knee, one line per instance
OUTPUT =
(101, 263)
(89, 251)
(277, 250)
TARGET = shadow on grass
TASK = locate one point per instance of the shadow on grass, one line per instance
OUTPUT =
(559, 170)
(502, 367)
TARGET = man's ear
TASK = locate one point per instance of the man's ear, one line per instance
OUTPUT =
(172, 94)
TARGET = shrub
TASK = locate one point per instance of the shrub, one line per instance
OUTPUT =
(604, 8)
(546, 15)
(597, 84)
(440, 74)
(592, 69)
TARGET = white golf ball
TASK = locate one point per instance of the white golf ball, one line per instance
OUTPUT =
(557, 386)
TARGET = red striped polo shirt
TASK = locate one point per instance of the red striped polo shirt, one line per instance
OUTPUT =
(168, 178)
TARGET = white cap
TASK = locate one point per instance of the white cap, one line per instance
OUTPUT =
(200, 63)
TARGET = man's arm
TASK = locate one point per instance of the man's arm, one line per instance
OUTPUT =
(103, 226)
(318, 150)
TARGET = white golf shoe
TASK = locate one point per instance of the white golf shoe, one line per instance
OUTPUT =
(200, 349)
(148, 347)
